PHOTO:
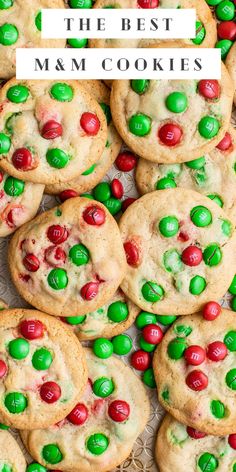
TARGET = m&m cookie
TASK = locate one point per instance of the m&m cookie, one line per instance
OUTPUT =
(99, 433)
(88, 179)
(50, 132)
(19, 202)
(206, 33)
(213, 174)
(169, 121)
(68, 261)
(184, 448)
(180, 250)
(39, 382)
(11, 456)
(194, 367)
(20, 27)
(231, 66)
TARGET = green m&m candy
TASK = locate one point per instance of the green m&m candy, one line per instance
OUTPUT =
(225, 10)
(14, 187)
(62, 92)
(5, 143)
(113, 205)
(57, 158)
(118, 311)
(152, 292)
(169, 226)
(140, 86)
(15, 402)
(18, 348)
(75, 320)
(80, 3)
(217, 199)
(18, 94)
(177, 102)
(5, 4)
(140, 124)
(107, 112)
(144, 318)
(4, 426)
(79, 254)
(8, 34)
(97, 444)
(213, 3)
(201, 216)
(77, 43)
(166, 320)
(176, 348)
(172, 261)
(90, 170)
(148, 378)
(212, 255)
(145, 346)
(6, 468)
(217, 409)
(122, 344)
(196, 163)
(232, 288)
(52, 454)
(103, 348)
(200, 33)
(233, 304)
(231, 379)
(207, 462)
(226, 228)
(103, 387)
(208, 127)
(164, 183)
(42, 359)
(57, 279)
(225, 46)
(38, 21)
(230, 341)
(102, 192)
(36, 467)
(197, 285)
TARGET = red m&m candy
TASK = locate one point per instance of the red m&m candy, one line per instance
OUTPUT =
(148, 3)
(152, 334)
(66, 194)
(232, 441)
(94, 215)
(140, 360)
(51, 130)
(3, 368)
(78, 415)
(170, 134)
(209, 89)
(89, 290)
(126, 203)
(31, 262)
(119, 411)
(216, 351)
(225, 143)
(22, 159)
(31, 329)
(1, 176)
(211, 310)
(117, 188)
(227, 30)
(90, 123)
(194, 355)
(126, 161)
(132, 253)
(197, 380)
(50, 392)
(57, 234)
(192, 256)
(55, 256)
(194, 433)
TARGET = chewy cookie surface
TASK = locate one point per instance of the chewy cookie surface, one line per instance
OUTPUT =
(194, 367)
(39, 382)
(50, 131)
(68, 261)
(11, 456)
(180, 249)
(231, 66)
(99, 433)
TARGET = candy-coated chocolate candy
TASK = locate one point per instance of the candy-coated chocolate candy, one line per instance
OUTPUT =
(226, 228)
(195, 355)
(126, 161)
(225, 143)
(97, 444)
(118, 312)
(213, 3)
(127, 202)
(140, 124)
(152, 334)
(1, 176)
(227, 30)
(207, 462)
(57, 234)
(144, 318)
(215, 198)
(13, 187)
(103, 348)
(8, 34)
(52, 454)
(102, 192)
(119, 411)
(197, 380)
(122, 344)
(211, 310)
(62, 92)
(225, 46)
(42, 359)
(230, 341)
(5, 4)
(38, 21)
(3, 368)
(225, 10)
(209, 89)
(148, 378)
(231, 379)
(4, 426)
(35, 467)
(66, 194)
(212, 255)
(152, 292)
(117, 188)
(90, 123)
(5, 143)
(145, 346)
(31, 262)
(78, 415)
(232, 288)
(192, 256)
(77, 42)
(169, 226)
(113, 205)
(177, 102)
(140, 360)
(170, 134)
(148, 3)
(18, 93)
(57, 158)
(164, 183)
(140, 86)
(31, 329)
(172, 261)
(75, 320)
(208, 127)
(58, 279)
(90, 170)
(176, 348)
(18, 348)
(132, 253)
(200, 33)
(55, 253)
(183, 330)
(89, 291)
(217, 409)
(232, 441)
(50, 392)
(103, 387)
(107, 112)
(166, 320)
(51, 130)
(15, 402)
(201, 216)
(194, 433)
(80, 3)
(22, 159)
(216, 351)
(93, 215)
(197, 285)
(79, 254)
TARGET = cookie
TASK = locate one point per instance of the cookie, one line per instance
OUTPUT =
(180, 249)
(179, 446)
(213, 175)
(99, 433)
(94, 174)
(231, 66)
(111, 319)
(19, 202)
(11, 456)
(194, 367)
(169, 121)
(206, 34)
(39, 382)
(51, 131)
(68, 261)
(20, 27)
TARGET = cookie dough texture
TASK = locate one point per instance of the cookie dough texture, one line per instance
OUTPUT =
(23, 378)
(216, 177)
(194, 408)
(28, 118)
(231, 66)
(176, 450)
(11, 455)
(72, 439)
(84, 183)
(203, 13)
(126, 103)
(105, 266)
(158, 258)
(22, 15)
